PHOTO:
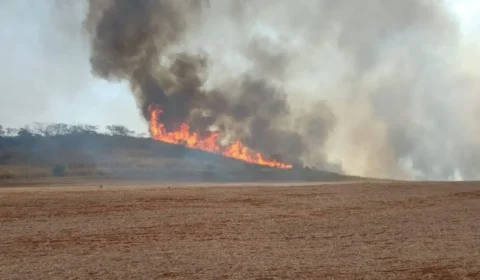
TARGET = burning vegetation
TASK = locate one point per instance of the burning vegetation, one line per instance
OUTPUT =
(209, 143)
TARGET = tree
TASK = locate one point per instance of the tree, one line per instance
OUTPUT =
(75, 129)
(25, 133)
(119, 130)
(40, 129)
(82, 129)
(28, 131)
(11, 131)
(90, 129)
(2, 132)
(56, 129)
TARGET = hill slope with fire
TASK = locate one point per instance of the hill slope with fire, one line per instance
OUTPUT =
(79, 150)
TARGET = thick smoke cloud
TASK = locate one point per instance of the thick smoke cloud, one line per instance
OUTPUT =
(374, 88)
(129, 41)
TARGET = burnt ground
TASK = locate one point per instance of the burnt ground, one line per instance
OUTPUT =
(381, 230)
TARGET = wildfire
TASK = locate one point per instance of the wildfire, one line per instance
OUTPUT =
(183, 136)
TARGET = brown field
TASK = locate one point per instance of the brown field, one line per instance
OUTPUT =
(367, 230)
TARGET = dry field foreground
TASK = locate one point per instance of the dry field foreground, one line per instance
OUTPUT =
(329, 231)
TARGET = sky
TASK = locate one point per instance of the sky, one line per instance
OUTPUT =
(467, 12)
(47, 75)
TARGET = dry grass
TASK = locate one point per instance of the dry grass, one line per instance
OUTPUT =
(23, 171)
(330, 231)
(26, 171)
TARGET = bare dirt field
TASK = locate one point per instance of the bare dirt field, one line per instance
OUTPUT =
(381, 230)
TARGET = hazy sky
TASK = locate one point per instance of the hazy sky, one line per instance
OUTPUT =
(46, 75)
(467, 12)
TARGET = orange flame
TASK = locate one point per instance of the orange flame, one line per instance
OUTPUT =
(192, 140)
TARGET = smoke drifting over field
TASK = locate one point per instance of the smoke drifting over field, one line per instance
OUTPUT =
(376, 88)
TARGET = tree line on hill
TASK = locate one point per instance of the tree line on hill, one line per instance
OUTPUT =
(57, 144)
(58, 129)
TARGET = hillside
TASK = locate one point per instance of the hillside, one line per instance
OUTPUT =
(30, 156)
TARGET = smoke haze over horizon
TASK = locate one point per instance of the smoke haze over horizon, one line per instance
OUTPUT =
(373, 88)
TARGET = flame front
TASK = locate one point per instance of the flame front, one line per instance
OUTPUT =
(192, 140)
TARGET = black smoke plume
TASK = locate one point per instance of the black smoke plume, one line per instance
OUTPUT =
(131, 38)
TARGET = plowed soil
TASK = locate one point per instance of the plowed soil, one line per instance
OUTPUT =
(382, 230)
